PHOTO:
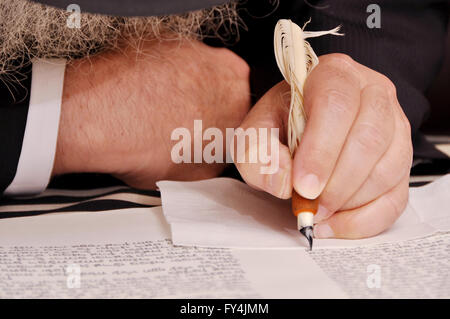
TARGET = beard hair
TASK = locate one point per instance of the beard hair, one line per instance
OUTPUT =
(31, 30)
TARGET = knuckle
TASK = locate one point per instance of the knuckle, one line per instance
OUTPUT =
(406, 125)
(389, 86)
(370, 138)
(337, 102)
(339, 75)
(380, 103)
(242, 69)
(337, 59)
(238, 65)
(405, 129)
(338, 68)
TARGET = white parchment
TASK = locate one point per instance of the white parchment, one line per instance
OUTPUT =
(128, 254)
(224, 212)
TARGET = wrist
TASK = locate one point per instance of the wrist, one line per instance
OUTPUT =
(80, 148)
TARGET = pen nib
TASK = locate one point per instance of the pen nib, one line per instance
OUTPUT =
(308, 233)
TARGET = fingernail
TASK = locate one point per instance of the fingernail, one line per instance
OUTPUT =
(323, 231)
(308, 186)
(278, 183)
(322, 213)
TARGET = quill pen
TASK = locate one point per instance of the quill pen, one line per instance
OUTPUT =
(296, 59)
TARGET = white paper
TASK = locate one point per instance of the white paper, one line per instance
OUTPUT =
(128, 254)
(224, 212)
(418, 268)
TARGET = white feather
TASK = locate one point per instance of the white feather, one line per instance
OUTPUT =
(296, 59)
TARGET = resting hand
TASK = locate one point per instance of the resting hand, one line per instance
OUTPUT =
(120, 108)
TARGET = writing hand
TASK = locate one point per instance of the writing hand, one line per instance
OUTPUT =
(355, 152)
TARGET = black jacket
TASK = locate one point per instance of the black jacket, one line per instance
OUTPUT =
(408, 48)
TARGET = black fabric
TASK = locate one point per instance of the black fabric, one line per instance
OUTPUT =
(14, 100)
(66, 199)
(91, 206)
(135, 7)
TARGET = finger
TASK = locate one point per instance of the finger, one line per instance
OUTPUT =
(368, 220)
(332, 99)
(369, 138)
(270, 112)
(392, 167)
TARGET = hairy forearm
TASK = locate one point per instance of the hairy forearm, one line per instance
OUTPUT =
(120, 108)
(90, 130)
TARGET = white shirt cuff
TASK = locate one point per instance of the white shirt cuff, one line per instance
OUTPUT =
(41, 131)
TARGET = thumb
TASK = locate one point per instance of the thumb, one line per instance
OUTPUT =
(263, 161)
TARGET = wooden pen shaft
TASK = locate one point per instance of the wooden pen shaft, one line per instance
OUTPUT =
(303, 205)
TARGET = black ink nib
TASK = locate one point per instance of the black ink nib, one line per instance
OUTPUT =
(308, 233)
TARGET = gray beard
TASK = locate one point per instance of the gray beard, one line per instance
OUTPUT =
(31, 30)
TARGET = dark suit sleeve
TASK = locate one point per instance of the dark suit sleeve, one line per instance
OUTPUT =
(14, 101)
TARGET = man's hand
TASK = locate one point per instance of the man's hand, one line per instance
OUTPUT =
(355, 152)
(120, 108)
